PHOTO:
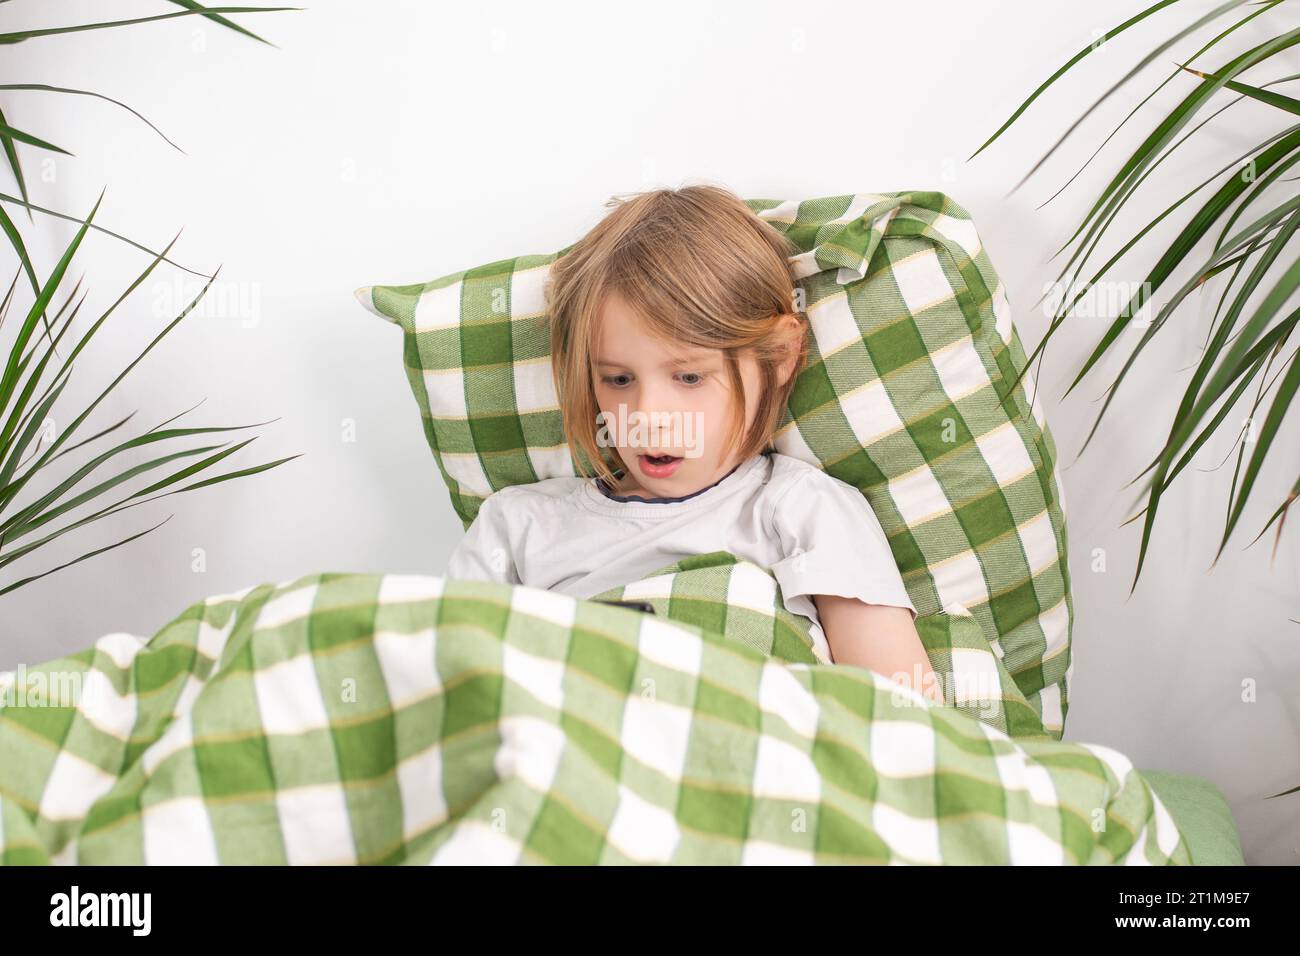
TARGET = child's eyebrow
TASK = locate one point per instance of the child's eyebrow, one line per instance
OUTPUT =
(695, 358)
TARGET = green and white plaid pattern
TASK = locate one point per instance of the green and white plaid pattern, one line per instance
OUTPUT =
(353, 718)
(730, 596)
(742, 601)
(904, 397)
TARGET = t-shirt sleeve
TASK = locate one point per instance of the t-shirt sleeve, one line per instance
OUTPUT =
(834, 544)
(485, 554)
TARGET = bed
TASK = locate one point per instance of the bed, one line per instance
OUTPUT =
(413, 719)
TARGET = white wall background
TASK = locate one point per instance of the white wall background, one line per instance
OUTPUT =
(395, 142)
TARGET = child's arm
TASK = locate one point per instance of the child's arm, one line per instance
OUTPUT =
(879, 637)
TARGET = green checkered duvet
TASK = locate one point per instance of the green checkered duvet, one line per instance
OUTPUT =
(359, 718)
(742, 601)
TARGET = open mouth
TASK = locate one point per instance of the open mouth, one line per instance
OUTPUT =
(658, 466)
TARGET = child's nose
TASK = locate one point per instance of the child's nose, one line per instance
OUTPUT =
(655, 397)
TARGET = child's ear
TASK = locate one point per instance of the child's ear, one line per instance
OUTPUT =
(796, 333)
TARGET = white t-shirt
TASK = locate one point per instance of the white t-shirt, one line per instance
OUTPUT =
(815, 533)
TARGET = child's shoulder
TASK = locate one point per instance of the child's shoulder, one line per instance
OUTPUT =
(788, 471)
(804, 488)
(536, 493)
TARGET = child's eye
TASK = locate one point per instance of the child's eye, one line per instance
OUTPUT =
(691, 380)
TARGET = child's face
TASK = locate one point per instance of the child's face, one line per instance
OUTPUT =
(678, 402)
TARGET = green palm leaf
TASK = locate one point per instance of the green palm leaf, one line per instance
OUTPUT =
(1146, 99)
(1246, 336)
(31, 385)
(1154, 8)
(209, 12)
(35, 373)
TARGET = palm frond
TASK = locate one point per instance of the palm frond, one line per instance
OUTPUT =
(1252, 238)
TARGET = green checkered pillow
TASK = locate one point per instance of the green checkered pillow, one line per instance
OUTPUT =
(913, 345)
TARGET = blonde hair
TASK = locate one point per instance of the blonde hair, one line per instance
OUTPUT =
(701, 269)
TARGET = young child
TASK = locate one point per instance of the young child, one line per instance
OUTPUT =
(675, 347)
